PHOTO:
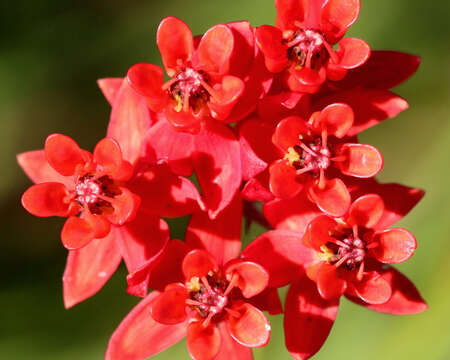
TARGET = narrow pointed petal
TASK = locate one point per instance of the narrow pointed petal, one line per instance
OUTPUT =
(203, 343)
(215, 50)
(230, 348)
(77, 232)
(110, 88)
(405, 299)
(395, 245)
(63, 154)
(281, 253)
(130, 120)
(141, 239)
(217, 165)
(337, 118)
(108, 155)
(333, 199)
(270, 41)
(291, 214)
(89, 268)
(169, 307)
(383, 70)
(308, 319)
(317, 232)
(257, 189)
(288, 132)
(198, 263)
(47, 199)
(283, 181)
(35, 165)
(374, 289)
(366, 211)
(329, 285)
(147, 79)
(337, 16)
(227, 95)
(251, 328)
(352, 53)
(139, 336)
(290, 12)
(175, 42)
(361, 160)
(220, 237)
(253, 278)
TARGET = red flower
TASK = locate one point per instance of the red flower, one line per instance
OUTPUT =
(200, 86)
(95, 195)
(210, 308)
(302, 42)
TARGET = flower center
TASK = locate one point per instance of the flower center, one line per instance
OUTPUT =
(94, 193)
(313, 158)
(189, 89)
(307, 48)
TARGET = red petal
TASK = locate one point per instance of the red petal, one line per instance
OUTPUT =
(270, 41)
(78, 232)
(130, 120)
(175, 43)
(290, 13)
(333, 199)
(110, 88)
(169, 307)
(220, 237)
(47, 199)
(308, 319)
(291, 214)
(337, 16)
(383, 70)
(108, 155)
(253, 278)
(251, 328)
(217, 165)
(242, 61)
(318, 231)
(366, 211)
(203, 343)
(329, 285)
(337, 118)
(89, 268)
(281, 253)
(352, 53)
(288, 132)
(35, 165)
(374, 289)
(215, 49)
(125, 207)
(165, 194)
(226, 95)
(141, 240)
(268, 300)
(283, 180)
(306, 79)
(395, 245)
(405, 298)
(63, 154)
(198, 263)
(231, 348)
(147, 79)
(256, 189)
(361, 160)
(166, 144)
(139, 336)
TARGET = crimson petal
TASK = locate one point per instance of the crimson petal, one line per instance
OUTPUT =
(253, 278)
(203, 343)
(337, 16)
(169, 307)
(288, 132)
(352, 53)
(63, 154)
(139, 336)
(366, 211)
(336, 118)
(108, 155)
(229, 347)
(394, 245)
(270, 41)
(198, 263)
(78, 232)
(47, 199)
(361, 160)
(147, 79)
(283, 181)
(290, 13)
(329, 285)
(89, 268)
(374, 289)
(225, 97)
(110, 88)
(333, 199)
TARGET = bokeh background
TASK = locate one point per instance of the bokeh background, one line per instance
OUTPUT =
(52, 52)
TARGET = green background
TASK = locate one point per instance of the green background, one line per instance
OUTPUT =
(52, 52)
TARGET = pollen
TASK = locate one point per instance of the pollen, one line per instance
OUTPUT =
(292, 156)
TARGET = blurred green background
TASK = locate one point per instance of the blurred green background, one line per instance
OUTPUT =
(52, 52)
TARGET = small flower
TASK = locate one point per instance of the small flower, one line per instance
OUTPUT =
(93, 197)
(301, 43)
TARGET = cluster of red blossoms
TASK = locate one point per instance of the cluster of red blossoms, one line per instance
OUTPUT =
(250, 123)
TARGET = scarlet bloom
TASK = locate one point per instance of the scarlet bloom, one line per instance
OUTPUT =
(200, 86)
(311, 149)
(301, 43)
(93, 193)
(212, 307)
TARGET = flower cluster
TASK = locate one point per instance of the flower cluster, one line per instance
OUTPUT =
(250, 123)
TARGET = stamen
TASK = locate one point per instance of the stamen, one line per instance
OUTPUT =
(169, 83)
(342, 260)
(232, 284)
(193, 302)
(206, 283)
(321, 184)
(307, 149)
(360, 274)
(210, 90)
(208, 319)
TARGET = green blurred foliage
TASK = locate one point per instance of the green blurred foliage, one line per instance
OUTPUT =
(52, 52)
